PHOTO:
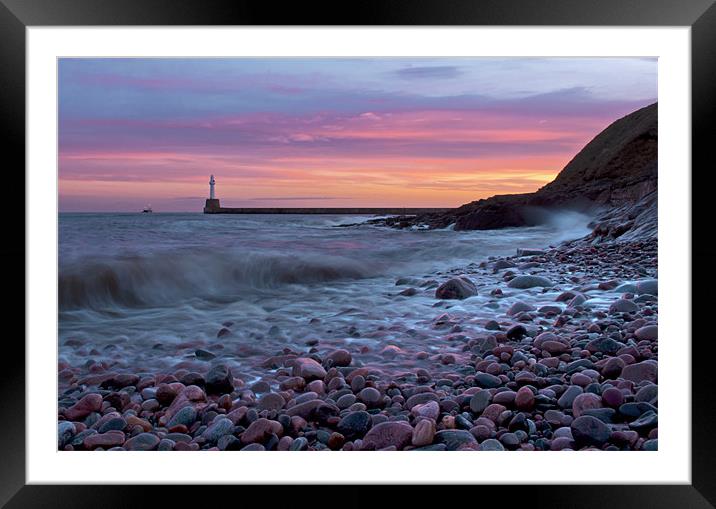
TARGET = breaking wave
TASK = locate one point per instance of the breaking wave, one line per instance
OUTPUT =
(163, 279)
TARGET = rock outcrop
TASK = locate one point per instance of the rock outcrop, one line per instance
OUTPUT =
(613, 177)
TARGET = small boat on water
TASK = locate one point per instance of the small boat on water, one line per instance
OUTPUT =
(147, 210)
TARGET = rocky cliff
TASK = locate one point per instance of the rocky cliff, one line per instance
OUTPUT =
(614, 177)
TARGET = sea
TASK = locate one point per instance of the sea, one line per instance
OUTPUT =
(143, 292)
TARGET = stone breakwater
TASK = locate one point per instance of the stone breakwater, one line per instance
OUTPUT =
(562, 355)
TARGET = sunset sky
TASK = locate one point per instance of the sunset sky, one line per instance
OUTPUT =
(330, 132)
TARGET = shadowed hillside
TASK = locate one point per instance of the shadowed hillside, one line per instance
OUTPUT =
(614, 172)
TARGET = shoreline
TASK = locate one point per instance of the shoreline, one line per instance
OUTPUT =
(570, 364)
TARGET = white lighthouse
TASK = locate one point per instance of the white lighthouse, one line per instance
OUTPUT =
(212, 205)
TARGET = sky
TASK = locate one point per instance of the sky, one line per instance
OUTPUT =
(327, 132)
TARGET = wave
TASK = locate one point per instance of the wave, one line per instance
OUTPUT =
(313, 254)
(162, 279)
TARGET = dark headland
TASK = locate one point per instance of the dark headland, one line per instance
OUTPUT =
(613, 178)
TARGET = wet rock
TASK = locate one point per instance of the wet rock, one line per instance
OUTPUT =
(613, 368)
(185, 416)
(506, 398)
(604, 345)
(519, 307)
(113, 424)
(300, 444)
(254, 447)
(456, 288)
(524, 399)
(260, 430)
(104, 440)
(313, 410)
(479, 401)
(554, 347)
(550, 310)
(166, 445)
(491, 445)
(85, 406)
(516, 332)
(338, 357)
(65, 431)
(577, 300)
(455, 439)
(166, 393)
(219, 380)
(650, 286)
(493, 412)
(345, 401)
(640, 372)
(308, 369)
(651, 445)
(588, 430)
(626, 288)
(561, 443)
(487, 381)
(204, 355)
(510, 440)
(613, 397)
(567, 398)
(623, 306)
(220, 427)
(528, 281)
(633, 410)
(391, 433)
(645, 422)
(492, 325)
(423, 433)
(142, 442)
(193, 379)
(355, 424)
(271, 401)
(585, 401)
(370, 396)
(485, 344)
(429, 410)
(605, 415)
(648, 332)
(120, 381)
(648, 393)
(419, 399)
(502, 264)
(522, 251)
(565, 296)
(295, 383)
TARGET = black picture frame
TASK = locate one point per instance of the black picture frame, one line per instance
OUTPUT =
(17, 15)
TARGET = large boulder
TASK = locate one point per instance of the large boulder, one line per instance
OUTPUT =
(456, 288)
(528, 281)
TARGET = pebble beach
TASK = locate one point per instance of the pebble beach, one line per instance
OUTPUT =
(543, 350)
